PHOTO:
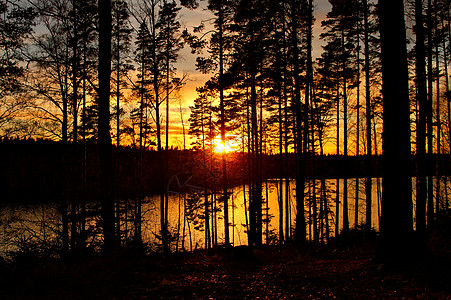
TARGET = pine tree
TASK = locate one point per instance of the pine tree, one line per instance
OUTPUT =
(420, 62)
(218, 45)
(342, 30)
(301, 123)
(171, 42)
(200, 121)
(121, 65)
(105, 147)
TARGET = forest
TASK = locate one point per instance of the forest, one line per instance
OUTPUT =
(111, 111)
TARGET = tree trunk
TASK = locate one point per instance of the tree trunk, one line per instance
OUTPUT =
(281, 162)
(368, 180)
(286, 126)
(166, 165)
(325, 210)
(255, 199)
(75, 159)
(137, 220)
(64, 139)
(118, 134)
(430, 129)
(345, 146)
(421, 125)
(447, 97)
(301, 233)
(439, 127)
(222, 125)
(163, 179)
(84, 153)
(308, 101)
(105, 151)
(357, 180)
(396, 227)
(337, 187)
(206, 202)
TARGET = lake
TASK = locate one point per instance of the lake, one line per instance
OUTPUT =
(39, 224)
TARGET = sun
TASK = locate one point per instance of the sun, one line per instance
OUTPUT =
(220, 147)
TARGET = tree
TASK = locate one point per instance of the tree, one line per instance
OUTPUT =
(396, 227)
(171, 43)
(368, 116)
(252, 33)
(200, 120)
(151, 82)
(105, 146)
(121, 64)
(218, 46)
(16, 25)
(121, 40)
(60, 61)
(218, 7)
(420, 62)
(49, 80)
(308, 100)
(143, 85)
(275, 75)
(429, 114)
(329, 90)
(325, 98)
(301, 124)
(156, 71)
(342, 25)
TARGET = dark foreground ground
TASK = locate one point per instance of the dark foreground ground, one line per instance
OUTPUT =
(267, 273)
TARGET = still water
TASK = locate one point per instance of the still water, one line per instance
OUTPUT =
(31, 225)
(271, 192)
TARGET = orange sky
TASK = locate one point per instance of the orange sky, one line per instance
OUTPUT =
(186, 65)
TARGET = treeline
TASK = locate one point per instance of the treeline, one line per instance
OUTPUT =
(29, 169)
(43, 171)
(35, 171)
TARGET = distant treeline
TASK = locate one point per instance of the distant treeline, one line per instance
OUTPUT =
(40, 170)
(43, 170)
(340, 166)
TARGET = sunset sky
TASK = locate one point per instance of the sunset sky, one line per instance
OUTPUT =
(186, 65)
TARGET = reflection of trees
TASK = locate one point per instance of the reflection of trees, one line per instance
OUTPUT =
(193, 208)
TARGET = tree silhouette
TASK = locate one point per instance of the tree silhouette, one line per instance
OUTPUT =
(105, 147)
(121, 65)
(200, 121)
(396, 227)
(420, 61)
(16, 25)
(300, 234)
(171, 43)
(342, 31)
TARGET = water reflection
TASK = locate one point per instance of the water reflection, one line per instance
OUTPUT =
(271, 193)
(40, 224)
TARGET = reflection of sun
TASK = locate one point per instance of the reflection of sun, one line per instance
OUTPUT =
(220, 147)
